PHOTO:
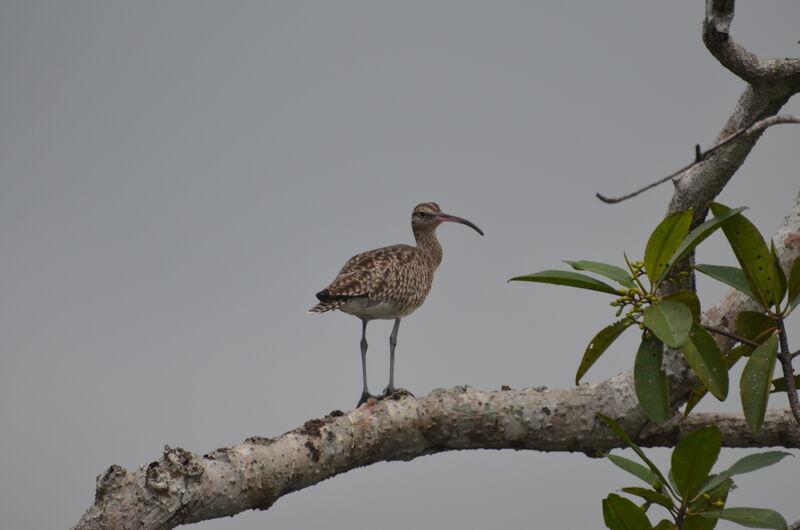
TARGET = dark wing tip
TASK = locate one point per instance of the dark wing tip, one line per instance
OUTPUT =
(326, 297)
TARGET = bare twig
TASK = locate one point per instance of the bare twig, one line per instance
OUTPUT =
(700, 156)
(733, 336)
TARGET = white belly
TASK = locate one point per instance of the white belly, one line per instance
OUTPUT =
(372, 309)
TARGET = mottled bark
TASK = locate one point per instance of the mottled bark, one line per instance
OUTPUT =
(182, 487)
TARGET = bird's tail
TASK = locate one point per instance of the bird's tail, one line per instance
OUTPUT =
(326, 306)
(327, 302)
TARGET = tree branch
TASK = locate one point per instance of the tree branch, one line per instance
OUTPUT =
(700, 156)
(734, 57)
(731, 336)
(182, 487)
(771, 82)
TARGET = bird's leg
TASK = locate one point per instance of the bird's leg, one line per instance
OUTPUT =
(392, 344)
(365, 395)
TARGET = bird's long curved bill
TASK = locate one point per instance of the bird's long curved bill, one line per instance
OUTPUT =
(443, 217)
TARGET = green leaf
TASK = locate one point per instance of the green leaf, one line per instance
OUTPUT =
(779, 384)
(650, 379)
(755, 382)
(697, 236)
(732, 276)
(669, 321)
(620, 513)
(751, 324)
(634, 468)
(687, 298)
(753, 256)
(701, 503)
(746, 464)
(612, 272)
(599, 344)
(749, 517)
(622, 435)
(793, 283)
(696, 523)
(701, 352)
(672, 482)
(663, 524)
(663, 243)
(718, 493)
(779, 271)
(699, 390)
(693, 458)
(651, 496)
(572, 279)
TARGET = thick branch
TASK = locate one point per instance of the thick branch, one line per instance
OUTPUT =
(702, 182)
(771, 82)
(182, 487)
(734, 57)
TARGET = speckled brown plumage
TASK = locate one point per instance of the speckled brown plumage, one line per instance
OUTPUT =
(389, 282)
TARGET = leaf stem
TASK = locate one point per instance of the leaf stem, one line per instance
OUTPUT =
(679, 518)
(634, 275)
(785, 357)
(733, 336)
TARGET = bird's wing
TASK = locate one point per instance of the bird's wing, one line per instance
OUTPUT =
(368, 272)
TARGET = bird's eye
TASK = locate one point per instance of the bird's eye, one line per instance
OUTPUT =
(422, 214)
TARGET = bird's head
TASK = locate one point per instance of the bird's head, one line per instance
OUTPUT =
(427, 216)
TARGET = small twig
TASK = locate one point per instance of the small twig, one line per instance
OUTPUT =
(785, 357)
(795, 354)
(733, 336)
(703, 155)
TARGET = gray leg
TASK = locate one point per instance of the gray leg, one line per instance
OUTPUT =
(392, 343)
(365, 395)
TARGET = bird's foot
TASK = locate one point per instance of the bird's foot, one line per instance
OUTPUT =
(365, 396)
(395, 393)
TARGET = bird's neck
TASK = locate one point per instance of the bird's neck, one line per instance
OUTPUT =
(429, 247)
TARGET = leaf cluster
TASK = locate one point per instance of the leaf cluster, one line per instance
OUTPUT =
(694, 498)
(674, 319)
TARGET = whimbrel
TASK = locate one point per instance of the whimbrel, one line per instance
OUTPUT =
(389, 282)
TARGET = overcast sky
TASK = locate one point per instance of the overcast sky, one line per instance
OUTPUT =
(177, 180)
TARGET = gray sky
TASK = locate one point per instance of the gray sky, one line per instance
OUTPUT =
(177, 180)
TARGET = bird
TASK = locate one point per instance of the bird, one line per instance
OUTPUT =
(389, 283)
